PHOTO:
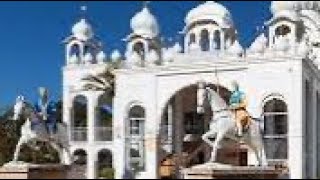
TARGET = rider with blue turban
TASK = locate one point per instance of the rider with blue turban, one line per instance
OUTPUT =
(46, 109)
(238, 106)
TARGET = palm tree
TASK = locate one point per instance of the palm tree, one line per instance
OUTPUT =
(104, 81)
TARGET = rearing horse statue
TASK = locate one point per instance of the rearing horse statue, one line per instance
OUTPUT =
(58, 141)
(223, 125)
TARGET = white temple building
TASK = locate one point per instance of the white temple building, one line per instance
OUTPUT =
(155, 124)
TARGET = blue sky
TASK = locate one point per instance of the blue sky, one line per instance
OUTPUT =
(31, 34)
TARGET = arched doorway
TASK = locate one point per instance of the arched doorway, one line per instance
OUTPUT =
(181, 131)
(104, 165)
(79, 118)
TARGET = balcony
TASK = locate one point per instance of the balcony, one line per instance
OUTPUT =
(103, 134)
(80, 134)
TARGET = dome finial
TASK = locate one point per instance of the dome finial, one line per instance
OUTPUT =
(83, 11)
(146, 3)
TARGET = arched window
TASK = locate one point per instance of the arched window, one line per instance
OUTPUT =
(79, 118)
(192, 39)
(139, 48)
(217, 40)
(204, 40)
(103, 122)
(282, 30)
(137, 132)
(275, 115)
(74, 50)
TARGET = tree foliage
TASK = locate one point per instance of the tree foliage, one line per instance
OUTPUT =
(10, 133)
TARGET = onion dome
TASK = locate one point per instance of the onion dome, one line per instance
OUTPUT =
(145, 24)
(259, 45)
(115, 56)
(167, 54)
(210, 10)
(177, 47)
(101, 57)
(88, 58)
(236, 49)
(82, 30)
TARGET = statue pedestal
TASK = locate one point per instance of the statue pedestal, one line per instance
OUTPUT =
(32, 171)
(222, 171)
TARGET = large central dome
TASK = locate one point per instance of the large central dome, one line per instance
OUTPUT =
(209, 10)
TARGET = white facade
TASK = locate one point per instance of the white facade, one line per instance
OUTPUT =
(156, 88)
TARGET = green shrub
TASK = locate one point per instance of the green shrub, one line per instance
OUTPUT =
(106, 173)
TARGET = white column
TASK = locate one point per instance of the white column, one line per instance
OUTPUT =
(211, 40)
(119, 140)
(91, 163)
(92, 104)
(296, 124)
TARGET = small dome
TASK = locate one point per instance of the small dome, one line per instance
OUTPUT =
(88, 58)
(177, 47)
(74, 59)
(82, 30)
(278, 6)
(207, 11)
(259, 45)
(167, 54)
(145, 24)
(236, 49)
(101, 57)
(116, 55)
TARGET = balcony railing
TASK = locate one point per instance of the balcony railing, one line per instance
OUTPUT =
(103, 133)
(79, 134)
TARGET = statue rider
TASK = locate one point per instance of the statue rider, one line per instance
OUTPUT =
(46, 110)
(238, 106)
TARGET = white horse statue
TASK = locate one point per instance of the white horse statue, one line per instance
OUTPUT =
(223, 126)
(58, 141)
